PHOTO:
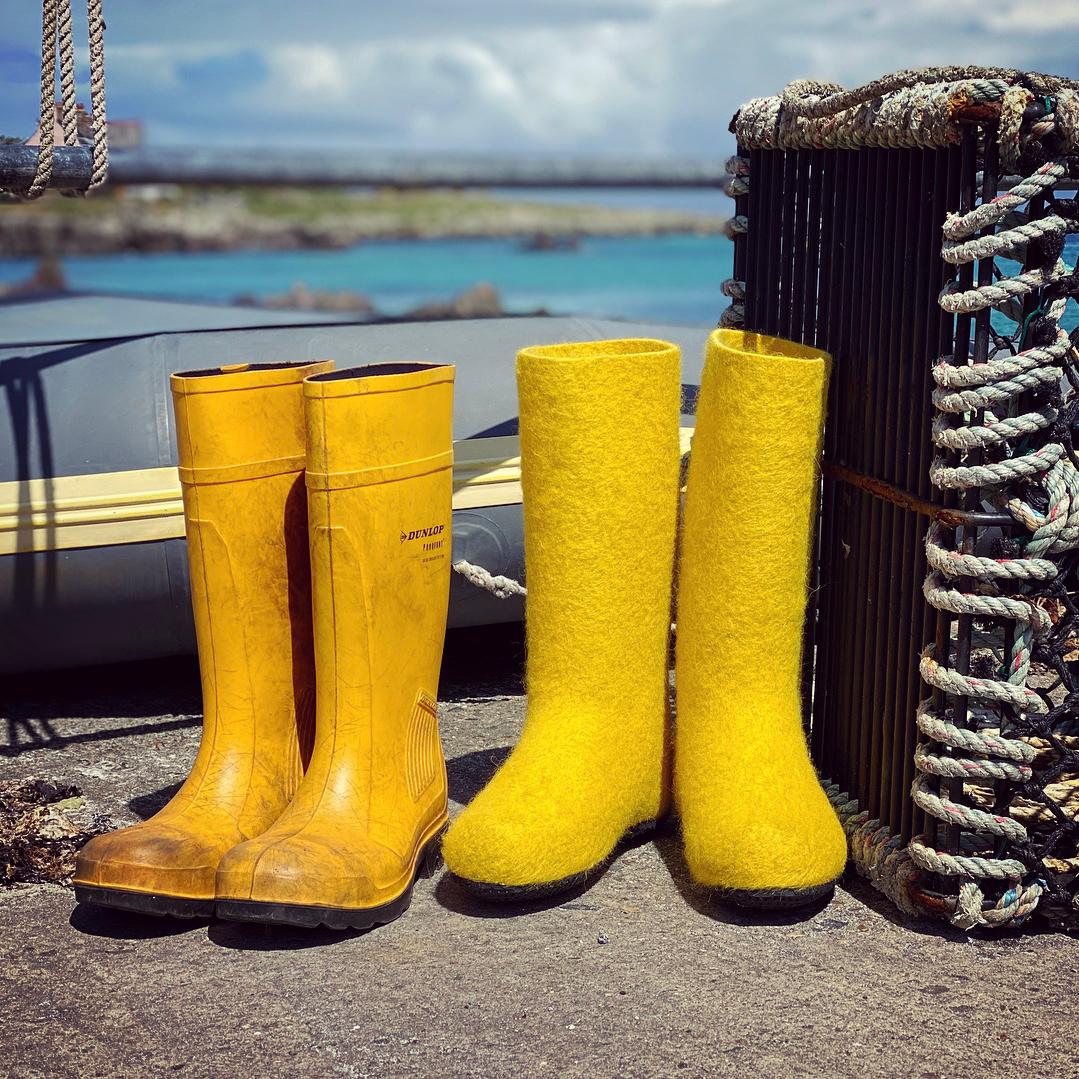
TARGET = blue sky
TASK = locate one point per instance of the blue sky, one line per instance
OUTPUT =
(641, 77)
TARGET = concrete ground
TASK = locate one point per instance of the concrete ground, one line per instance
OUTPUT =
(636, 976)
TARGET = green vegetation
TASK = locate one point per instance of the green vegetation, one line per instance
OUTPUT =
(412, 208)
(167, 217)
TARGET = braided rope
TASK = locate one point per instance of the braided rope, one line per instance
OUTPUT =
(57, 34)
(100, 165)
(995, 430)
(497, 585)
(919, 108)
(66, 42)
(901, 872)
(48, 96)
(879, 856)
(733, 317)
(735, 226)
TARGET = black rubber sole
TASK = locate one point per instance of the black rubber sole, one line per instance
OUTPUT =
(160, 906)
(312, 917)
(531, 893)
(773, 898)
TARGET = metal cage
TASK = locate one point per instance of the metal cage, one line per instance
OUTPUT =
(958, 785)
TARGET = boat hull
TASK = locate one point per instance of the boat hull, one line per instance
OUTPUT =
(93, 562)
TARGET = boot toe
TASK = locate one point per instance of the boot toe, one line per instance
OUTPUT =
(493, 845)
(302, 870)
(152, 858)
(767, 849)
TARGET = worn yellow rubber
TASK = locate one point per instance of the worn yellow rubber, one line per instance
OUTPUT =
(348, 848)
(600, 462)
(758, 828)
(241, 441)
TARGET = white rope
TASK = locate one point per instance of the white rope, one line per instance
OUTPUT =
(497, 585)
(1016, 481)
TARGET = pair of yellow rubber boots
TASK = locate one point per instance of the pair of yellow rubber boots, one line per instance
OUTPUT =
(318, 511)
(601, 473)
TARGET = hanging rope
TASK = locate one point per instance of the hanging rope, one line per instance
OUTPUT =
(100, 162)
(57, 35)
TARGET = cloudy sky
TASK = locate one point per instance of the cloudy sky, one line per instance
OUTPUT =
(641, 77)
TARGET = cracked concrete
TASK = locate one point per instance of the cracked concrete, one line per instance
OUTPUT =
(636, 976)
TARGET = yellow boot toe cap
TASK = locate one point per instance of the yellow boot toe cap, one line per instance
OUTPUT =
(798, 843)
(307, 870)
(152, 858)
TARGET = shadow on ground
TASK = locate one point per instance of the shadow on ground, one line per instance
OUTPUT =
(278, 938)
(127, 925)
(144, 806)
(669, 844)
(479, 662)
(163, 692)
(471, 772)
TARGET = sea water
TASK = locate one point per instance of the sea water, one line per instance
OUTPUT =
(673, 278)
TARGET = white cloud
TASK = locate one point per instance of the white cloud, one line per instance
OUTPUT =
(535, 89)
(303, 77)
(573, 76)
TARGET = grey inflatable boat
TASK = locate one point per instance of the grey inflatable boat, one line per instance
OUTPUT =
(93, 565)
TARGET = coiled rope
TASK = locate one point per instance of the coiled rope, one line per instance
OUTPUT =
(1038, 485)
(918, 108)
(735, 186)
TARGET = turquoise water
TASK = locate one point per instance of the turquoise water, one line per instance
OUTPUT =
(654, 279)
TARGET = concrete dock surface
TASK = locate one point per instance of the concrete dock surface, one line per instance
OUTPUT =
(637, 976)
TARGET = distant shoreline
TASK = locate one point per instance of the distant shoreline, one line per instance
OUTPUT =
(177, 220)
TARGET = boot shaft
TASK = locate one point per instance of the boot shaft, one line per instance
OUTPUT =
(750, 497)
(600, 460)
(241, 446)
(380, 485)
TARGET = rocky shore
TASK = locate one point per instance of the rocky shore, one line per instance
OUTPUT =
(481, 300)
(287, 219)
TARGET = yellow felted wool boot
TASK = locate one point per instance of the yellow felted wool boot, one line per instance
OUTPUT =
(367, 818)
(600, 461)
(757, 826)
(240, 436)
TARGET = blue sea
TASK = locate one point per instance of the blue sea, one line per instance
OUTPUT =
(655, 279)
(660, 279)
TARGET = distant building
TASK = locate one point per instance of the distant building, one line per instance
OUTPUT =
(125, 134)
(85, 128)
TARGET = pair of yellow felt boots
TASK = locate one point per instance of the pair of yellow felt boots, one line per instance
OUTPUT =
(318, 507)
(599, 428)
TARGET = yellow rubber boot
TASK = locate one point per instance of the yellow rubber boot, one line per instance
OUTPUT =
(367, 818)
(757, 826)
(600, 462)
(241, 443)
